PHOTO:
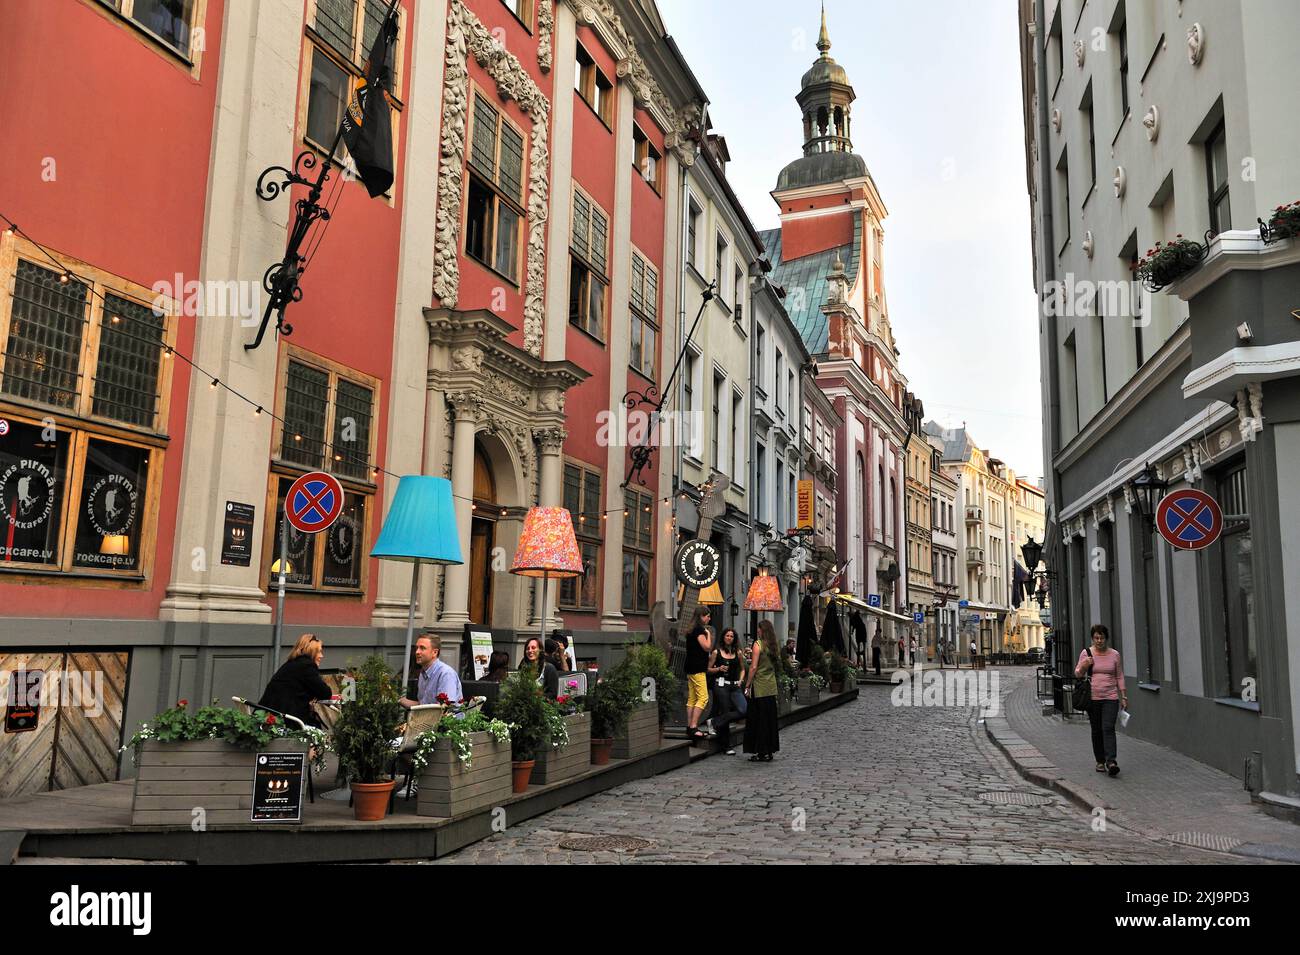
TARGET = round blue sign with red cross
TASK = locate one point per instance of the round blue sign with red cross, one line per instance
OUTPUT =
(314, 502)
(1189, 519)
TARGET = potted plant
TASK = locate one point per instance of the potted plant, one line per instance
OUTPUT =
(1284, 223)
(610, 702)
(1165, 264)
(364, 735)
(813, 678)
(523, 705)
(186, 759)
(650, 663)
(787, 682)
(463, 763)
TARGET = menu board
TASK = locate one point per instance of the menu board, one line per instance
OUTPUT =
(277, 787)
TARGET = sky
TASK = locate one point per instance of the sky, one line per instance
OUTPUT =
(938, 120)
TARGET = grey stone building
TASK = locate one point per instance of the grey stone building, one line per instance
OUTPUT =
(1158, 122)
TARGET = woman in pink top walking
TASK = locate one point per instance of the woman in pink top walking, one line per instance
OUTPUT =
(1108, 695)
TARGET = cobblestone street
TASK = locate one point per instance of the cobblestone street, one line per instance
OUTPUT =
(865, 782)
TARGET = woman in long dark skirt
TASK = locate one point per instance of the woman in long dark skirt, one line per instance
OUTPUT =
(762, 737)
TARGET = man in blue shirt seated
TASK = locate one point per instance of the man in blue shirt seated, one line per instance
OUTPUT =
(436, 677)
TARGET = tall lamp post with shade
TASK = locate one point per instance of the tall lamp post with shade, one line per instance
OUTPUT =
(421, 526)
(547, 549)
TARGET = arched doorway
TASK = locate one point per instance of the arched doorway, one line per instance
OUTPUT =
(482, 539)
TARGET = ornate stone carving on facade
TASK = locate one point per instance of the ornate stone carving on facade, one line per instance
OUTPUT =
(1225, 439)
(508, 391)
(838, 293)
(1152, 122)
(551, 440)
(521, 437)
(1079, 51)
(1129, 500)
(550, 400)
(1087, 244)
(1250, 410)
(644, 88)
(467, 359)
(1120, 181)
(1056, 120)
(1191, 464)
(465, 36)
(465, 404)
(1195, 44)
(545, 28)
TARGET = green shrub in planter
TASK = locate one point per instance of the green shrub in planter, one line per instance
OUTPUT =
(649, 662)
(523, 705)
(367, 725)
(611, 700)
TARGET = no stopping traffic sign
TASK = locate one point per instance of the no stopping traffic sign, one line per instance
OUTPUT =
(1189, 519)
(314, 502)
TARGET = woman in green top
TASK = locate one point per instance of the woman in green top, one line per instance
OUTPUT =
(761, 731)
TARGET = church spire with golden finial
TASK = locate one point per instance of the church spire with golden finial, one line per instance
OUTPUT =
(824, 39)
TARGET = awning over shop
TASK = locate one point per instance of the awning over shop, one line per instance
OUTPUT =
(852, 600)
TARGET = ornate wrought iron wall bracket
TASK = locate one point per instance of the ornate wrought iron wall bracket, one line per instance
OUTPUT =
(280, 281)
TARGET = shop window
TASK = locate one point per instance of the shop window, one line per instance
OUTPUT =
(523, 11)
(647, 158)
(341, 35)
(170, 21)
(328, 411)
(1216, 170)
(588, 264)
(644, 316)
(583, 499)
(494, 211)
(83, 385)
(1237, 580)
(594, 87)
(638, 523)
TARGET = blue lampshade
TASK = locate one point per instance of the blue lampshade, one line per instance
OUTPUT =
(421, 523)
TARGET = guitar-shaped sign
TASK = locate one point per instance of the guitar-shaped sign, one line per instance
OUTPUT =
(712, 505)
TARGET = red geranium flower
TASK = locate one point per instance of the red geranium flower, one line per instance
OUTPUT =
(444, 699)
(270, 719)
(182, 702)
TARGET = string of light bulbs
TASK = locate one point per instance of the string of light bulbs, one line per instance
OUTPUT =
(215, 382)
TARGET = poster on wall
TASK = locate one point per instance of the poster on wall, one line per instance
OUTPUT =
(237, 539)
(23, 702)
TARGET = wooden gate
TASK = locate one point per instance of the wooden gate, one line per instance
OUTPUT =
(77, 738)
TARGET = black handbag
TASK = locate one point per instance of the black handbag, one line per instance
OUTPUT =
(1083, 689)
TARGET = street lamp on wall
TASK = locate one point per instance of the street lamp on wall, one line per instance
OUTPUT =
(1148, 488)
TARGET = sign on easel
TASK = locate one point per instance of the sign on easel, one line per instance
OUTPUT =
(277, 787)
(480, 651)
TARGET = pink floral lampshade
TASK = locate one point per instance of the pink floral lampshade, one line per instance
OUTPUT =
(547, 547)
(764, 593)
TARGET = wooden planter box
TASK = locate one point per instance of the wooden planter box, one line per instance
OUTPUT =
(641, 738)
(806, 693)
(174, 779)
(557, 765)
(783, 703)
(449, 788)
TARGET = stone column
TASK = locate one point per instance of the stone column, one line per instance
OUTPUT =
(465, 408)
(611, 617)
(408, 395)
(225, 457)
(561, 193)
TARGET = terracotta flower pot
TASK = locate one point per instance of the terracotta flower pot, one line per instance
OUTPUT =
(370, 800)
(600, 750)
(521, 770)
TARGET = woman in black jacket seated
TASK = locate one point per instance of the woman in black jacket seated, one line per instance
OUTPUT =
(298, 682)
(535, 659)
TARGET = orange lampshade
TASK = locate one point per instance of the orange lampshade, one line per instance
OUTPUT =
(711, 596)
(118, 545)
(764, 593)
(547, 547)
